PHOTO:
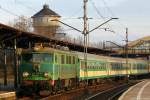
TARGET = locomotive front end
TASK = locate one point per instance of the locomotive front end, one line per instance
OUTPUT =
(36, 70)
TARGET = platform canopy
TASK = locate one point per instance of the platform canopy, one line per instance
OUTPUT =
(9, 34)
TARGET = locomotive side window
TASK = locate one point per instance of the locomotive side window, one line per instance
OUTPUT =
(67, 59)
(37, 57)
(62, 59)
(56, 59)
(70, 59)
(73, 58)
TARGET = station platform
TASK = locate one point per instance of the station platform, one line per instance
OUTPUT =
(140, 91)
(6, 95)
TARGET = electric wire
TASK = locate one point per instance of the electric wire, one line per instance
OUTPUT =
(112, 14)
(73, 14)
(101, 16)
(96, 9)
(28, 7)
(7, 11)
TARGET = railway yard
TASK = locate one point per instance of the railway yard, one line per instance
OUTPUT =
(68, 77)
(54, 73)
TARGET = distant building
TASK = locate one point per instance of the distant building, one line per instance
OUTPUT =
(141, 44)
(42, 23)
(138, 48)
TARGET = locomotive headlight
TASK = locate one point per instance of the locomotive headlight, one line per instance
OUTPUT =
(46, 74)
(25, 74)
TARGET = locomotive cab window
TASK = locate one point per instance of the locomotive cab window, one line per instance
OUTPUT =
(37, 57)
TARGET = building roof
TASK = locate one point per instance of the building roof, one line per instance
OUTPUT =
(46, 12)
(139, 41)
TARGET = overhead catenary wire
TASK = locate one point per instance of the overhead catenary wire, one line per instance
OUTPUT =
(28, 7)
(118, 21)
(100, 14)
(96, 9)
(108, 9)
(7, 11)
(112, 15)
(73, 14)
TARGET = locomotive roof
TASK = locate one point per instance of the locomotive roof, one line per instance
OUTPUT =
(81, 55)
(47, 50)
(106, 58)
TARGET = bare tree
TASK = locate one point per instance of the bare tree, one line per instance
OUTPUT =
(79, 40)
(68, 38)
(23, 23)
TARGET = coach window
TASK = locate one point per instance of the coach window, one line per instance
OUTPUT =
(99, 66)
(73, 58)
(103, 66)
(82, 64)
(67, 59)
(70, 59)
(62, 59)
(92, 67)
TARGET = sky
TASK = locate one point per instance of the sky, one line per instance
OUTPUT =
(132, 14)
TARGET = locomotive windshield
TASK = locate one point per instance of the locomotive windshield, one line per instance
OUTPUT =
(37, 57)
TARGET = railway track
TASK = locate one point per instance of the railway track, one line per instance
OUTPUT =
(112, 93)
(106, 91)
(83, 93)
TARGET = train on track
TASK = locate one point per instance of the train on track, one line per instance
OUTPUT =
(44, 68)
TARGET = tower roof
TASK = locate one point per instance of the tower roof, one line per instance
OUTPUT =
(46, 12)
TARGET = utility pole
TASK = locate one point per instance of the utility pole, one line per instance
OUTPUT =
(15, 65)
(85, 32)
(127, 54)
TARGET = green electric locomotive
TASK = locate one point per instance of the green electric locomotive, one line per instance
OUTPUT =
(49, 66)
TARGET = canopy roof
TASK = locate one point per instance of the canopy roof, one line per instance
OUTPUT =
(46, 12)
(9, 34)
